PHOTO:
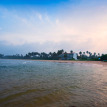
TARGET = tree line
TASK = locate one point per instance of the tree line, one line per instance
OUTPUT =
(55, 55)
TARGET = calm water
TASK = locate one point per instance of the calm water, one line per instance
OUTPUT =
(52, 84)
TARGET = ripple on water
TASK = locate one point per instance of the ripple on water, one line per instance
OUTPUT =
(48, 84)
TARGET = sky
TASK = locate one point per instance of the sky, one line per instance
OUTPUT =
(50, 25)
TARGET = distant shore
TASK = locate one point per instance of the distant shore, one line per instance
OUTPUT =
(66, 61)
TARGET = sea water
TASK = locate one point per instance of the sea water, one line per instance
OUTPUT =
(26, 83)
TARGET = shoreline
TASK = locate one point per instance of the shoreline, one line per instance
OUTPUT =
(76, 61)
(65, 61)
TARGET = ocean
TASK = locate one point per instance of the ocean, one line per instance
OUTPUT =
(28, 83)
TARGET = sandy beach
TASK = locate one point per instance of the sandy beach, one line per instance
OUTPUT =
(82, 62)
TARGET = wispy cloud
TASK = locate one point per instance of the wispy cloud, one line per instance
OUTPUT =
(77, 27)
(39, 16)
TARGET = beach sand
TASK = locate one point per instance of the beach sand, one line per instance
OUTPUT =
(76, 61)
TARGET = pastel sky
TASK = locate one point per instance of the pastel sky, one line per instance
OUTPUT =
(49, 25)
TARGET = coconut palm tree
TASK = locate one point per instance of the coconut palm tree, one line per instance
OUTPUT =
(71, 51)
(80, 53)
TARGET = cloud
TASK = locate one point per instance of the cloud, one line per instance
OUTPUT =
(39, 16)
(48, 46)
(77, 27)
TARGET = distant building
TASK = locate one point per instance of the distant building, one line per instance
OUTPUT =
(68, 56)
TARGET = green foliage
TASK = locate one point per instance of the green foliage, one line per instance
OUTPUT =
(71, 51)
(65, 55)
(60, 54)
(104, 57)
(1, 55)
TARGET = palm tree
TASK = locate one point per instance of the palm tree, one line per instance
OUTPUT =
(94, 54)
(87, 52)
(71, 51)
(90, 54)
(80, 53)
(84, 53)
(65, 55)
(98, 54)
(60, 52)
(54, 56)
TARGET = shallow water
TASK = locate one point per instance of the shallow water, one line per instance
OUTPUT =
(51, 84)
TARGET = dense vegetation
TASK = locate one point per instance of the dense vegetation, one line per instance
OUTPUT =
(104, 57)
(55, 55)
